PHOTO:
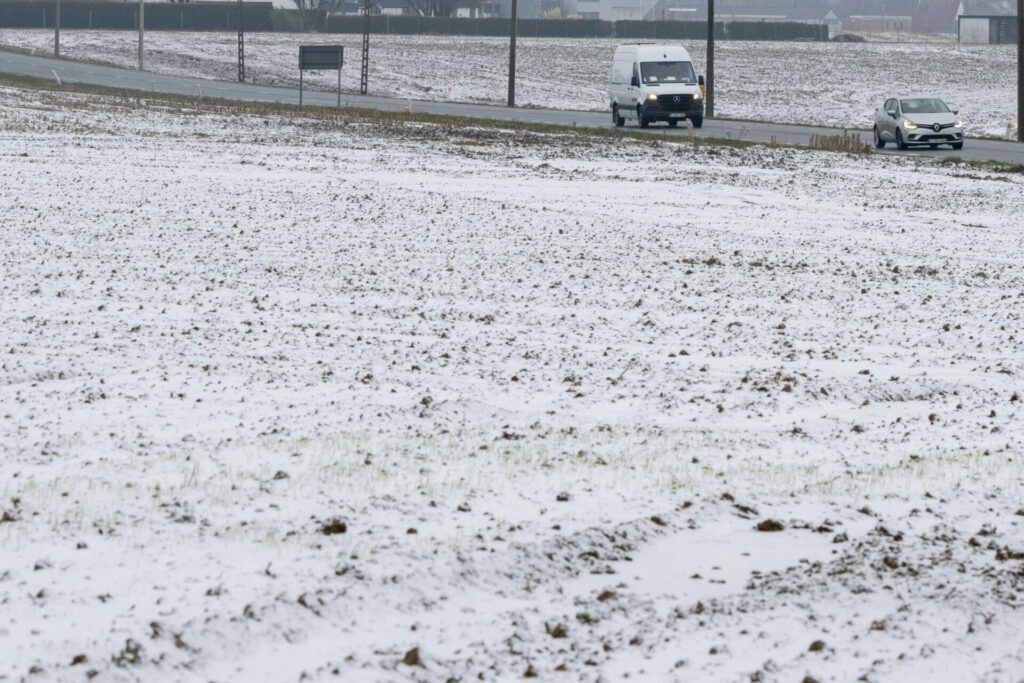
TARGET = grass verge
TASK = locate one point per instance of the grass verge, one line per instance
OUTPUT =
(993, 166)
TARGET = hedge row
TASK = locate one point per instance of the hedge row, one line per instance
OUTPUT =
(257, 16)
(167, 16)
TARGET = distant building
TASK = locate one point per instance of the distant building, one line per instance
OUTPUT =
(800, 11)
(887, 16)
(986, 22)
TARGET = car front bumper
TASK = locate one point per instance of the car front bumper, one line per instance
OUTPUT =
(922, 135)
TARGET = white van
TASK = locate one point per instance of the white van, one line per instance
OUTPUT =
(655, 83)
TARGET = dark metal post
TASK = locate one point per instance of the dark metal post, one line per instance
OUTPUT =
(339, 79)
(709, 79)
(241, 46)
(512, 55)
(56, 33)
(1020, 70)
(364, 70)
(142, 29)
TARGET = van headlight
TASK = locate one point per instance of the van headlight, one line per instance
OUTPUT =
(958, 124)
(652, 96)
(697, 95)
(909, 125)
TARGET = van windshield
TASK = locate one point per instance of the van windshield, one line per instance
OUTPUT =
(654, 73)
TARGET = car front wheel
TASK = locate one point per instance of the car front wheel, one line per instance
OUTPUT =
(957, 145)
(899, 140)
(879, 142)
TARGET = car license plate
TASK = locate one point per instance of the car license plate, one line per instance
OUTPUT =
(677, 116)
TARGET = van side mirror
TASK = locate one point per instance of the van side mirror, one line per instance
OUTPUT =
(700, 80)
(956, 112)
(635, 82)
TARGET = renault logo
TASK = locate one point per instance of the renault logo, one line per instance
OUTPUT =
(936, 128)
(676, 99)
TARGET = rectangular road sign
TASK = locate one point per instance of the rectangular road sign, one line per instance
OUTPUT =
(317, 57)
(321, 56)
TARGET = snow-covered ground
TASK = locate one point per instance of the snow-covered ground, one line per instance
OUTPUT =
(833, 84)
(341, 400)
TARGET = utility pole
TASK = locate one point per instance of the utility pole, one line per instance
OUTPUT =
(364, 68)
(512, 56)
(709, 79)
(1020, 70)
(142, 29)
(241, 46)
(56, 33)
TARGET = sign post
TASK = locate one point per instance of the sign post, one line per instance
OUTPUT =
(56, 33)
(320, 58)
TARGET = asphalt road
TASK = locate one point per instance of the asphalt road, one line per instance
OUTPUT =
(787, 134)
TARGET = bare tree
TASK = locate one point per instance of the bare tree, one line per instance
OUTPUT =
(314, 12)
(433, 8)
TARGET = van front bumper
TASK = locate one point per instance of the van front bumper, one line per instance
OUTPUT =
(673, 108)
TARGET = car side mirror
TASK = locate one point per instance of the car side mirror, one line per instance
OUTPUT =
(700, 80)
(892, 114)
(956, 112)
(635, 82)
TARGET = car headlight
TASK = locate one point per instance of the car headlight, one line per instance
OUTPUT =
(652, 96)
(909, 125)
(958, 124)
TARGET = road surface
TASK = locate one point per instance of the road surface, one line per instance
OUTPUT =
(752, 131)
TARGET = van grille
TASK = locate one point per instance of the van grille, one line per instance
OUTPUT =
(675, 102)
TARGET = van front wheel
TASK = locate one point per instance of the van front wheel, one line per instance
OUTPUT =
(640, 119)
(698, 121)
(616, 117)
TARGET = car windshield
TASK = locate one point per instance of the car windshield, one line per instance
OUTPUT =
(924, 105)
(654, 73)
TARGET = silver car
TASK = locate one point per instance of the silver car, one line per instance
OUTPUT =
(918, 121)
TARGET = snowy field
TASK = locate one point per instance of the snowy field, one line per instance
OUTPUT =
(327, 399)
(833, 84)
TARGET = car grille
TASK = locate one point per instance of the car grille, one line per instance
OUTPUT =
(675, 102)
(931, 126)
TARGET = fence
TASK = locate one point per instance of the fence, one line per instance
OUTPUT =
(459, 26)
(223, 16)
(167, 16)
(579, 28)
